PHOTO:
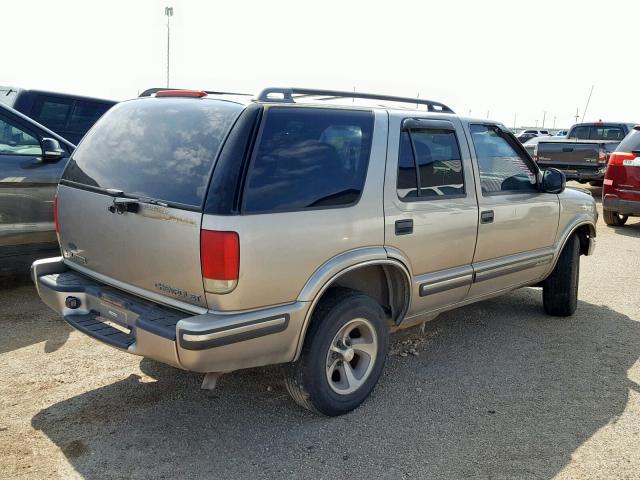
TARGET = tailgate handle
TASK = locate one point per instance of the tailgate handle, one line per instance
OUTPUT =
(486, 216)
(404, 227)
(567, 149)
(123, 205)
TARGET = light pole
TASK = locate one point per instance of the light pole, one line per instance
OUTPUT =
(544, 117)
(168, 11)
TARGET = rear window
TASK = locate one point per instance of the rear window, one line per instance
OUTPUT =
(598, 132)
(154, 148)
(631, 142)
(309, 158)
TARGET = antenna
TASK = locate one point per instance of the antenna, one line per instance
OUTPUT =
(587, 106)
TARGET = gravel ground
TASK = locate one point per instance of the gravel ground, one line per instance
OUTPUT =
(497, 390)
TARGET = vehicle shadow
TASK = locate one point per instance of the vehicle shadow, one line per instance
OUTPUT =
(499, 390)
(29, 320)
(630, 229)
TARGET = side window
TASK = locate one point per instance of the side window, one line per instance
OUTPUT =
(15, 141)
(580, 132)
(502, 167)
(429, 165)
(309, 158)
(85, 114)
(52, 112)
(407, 183)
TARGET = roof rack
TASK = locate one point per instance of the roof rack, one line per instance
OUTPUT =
(288, 95)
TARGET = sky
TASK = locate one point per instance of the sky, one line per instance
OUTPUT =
(504, 60)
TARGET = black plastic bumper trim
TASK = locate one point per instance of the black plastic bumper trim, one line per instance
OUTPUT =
(234, 338)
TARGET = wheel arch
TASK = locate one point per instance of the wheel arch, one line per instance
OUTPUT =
(386, 280)
(586, 232)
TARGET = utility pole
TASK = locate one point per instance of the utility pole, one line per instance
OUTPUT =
(577, 115)
(515, 115)
(554, 122)
(168, 11)
(536, 123)
(544, 116)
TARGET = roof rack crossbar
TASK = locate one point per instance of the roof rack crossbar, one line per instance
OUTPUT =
(286, 95)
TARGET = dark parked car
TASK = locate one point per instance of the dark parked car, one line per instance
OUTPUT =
(70, 116)
(32, 158)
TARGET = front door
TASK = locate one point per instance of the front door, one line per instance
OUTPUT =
(27, 187)
(518, 222)
(431, 212)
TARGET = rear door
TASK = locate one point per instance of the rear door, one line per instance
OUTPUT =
(518, 223)
(431, 211)
(157, 154)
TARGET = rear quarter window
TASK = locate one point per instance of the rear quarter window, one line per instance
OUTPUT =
(309, 158)
(631, 142)
(154, 148)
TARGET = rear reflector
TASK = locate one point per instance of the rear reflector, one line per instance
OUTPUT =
(181, 93)
(220, 260)
(618, 158)
(55, 213)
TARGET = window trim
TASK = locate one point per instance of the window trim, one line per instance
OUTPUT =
(437, 125)
(20, 125)
(258, 141)
(518, 147)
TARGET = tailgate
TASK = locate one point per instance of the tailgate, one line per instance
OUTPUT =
(129, 204)
(567, 153)
(156, 250)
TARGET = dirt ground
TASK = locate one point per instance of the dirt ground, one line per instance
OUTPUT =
(497, 390)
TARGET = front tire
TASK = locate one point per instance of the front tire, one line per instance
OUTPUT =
(614, 219)
(560, 289)
(343, 354)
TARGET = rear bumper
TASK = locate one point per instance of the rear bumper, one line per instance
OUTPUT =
(212, 342)
(577, 172)
(623, 207)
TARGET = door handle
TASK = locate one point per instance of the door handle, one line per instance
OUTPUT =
(486, 216)
(404, 227)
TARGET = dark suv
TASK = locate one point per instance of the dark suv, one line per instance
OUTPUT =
(70, 116)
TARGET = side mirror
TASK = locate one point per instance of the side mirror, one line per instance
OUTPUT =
(553, 181)
(51, 150)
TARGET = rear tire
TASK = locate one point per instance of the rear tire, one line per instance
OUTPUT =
(614, 219)
(560, 289)
(334, 373)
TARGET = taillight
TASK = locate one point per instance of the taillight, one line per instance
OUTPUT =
(603, 156)
(55, 213)
(618, 158)
(219, 260)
